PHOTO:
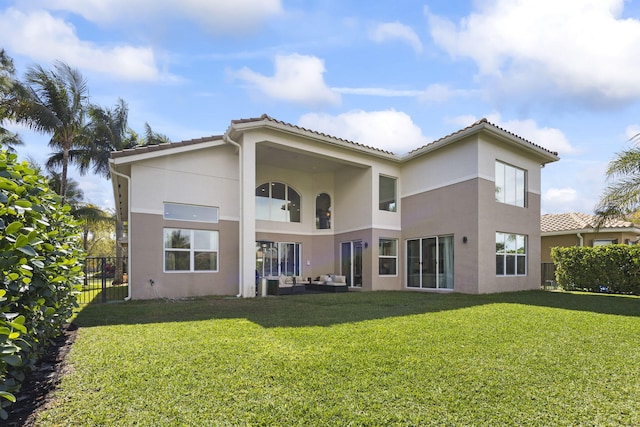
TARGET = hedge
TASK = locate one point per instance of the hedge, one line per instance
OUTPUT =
(612, 268)
(40, 271)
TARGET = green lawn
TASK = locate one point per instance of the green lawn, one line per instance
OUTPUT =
(359, 359)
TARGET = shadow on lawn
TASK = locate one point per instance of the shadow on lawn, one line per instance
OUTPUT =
(331, 309)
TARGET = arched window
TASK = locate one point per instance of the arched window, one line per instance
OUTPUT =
(323, 211)
(276, 201)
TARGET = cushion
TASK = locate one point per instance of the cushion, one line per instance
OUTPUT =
(282, 280)
(341, 279)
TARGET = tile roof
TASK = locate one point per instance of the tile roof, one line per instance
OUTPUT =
(266, 117)
(157, 147)
(550, 223)
(483, 122)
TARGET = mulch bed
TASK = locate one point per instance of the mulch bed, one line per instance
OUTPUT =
(37, 389)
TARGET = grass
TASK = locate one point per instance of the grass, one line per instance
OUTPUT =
(360, 359)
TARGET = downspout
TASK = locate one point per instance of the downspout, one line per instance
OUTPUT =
(226, 138)
(581, 239)
(129, 263)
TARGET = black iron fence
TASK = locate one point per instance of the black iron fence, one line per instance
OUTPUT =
(105, 279)
(548, 276)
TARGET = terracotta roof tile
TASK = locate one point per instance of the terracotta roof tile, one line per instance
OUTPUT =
(577, 221)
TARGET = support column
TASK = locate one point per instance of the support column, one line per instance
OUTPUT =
(248, 218)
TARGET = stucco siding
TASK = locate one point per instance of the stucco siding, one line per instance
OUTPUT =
(501, 217)
(148, 254)
(207, 177)
(450, 210)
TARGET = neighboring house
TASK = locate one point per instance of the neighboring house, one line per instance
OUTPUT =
(205, 216)
(579, 229)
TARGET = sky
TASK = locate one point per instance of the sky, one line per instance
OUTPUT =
(394, 75)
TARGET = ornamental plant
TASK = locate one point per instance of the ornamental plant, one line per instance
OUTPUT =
(612, 268)
(40, 271)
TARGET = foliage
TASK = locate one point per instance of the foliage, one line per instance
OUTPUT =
(612, 268)
(356, 359)
(40, 270)
(622, 196)
(55, 102)
(7, 85)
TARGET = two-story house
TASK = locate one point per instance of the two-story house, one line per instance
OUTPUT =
(204, 216)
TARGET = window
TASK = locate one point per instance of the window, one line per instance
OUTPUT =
(510, 185)
(190, 250)
(323, 211)
(511, 254)
(190, 212)
(276, 258)
(276, 201)
(387, 194)
(387, 257)
(604, 242)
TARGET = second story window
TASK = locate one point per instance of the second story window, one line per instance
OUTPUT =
(387, 194)
(510, 185)
(323, 211)
(276, 201)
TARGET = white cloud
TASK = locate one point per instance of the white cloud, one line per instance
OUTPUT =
(297, 78)
(221, 17)
(550, 138)
(396, 31)
(558, 200)
(632, 132)
(388, 130)
(46, 38)
(577, 48)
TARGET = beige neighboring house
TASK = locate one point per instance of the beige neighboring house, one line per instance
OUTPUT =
(205, 216)
(579, 229)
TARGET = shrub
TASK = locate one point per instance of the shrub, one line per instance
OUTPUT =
(40, 271)
(612, 268)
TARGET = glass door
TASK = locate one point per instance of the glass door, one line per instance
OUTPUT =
(351, 262)
(430, 262)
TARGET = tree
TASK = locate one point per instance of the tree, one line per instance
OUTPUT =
(55, 103)
(621, 198)
(8, 94)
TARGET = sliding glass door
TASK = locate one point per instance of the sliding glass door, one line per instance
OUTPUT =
(430, 262)
(276, 258)
(351, 262)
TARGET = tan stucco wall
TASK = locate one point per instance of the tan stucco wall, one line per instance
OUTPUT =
(505, 218)
(450, 210)
(147, 248)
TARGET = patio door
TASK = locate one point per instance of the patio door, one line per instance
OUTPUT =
(351, 262)
(430, 262)
(276, 258)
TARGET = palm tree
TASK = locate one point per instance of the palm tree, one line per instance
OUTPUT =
(622, 196)
(56, 103)
(152, 137)
(9, 91)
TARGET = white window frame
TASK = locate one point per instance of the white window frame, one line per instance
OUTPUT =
(192, 250)
(387, 257)
(505, 253)
(510, 184)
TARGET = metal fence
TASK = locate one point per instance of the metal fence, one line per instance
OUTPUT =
(548, 276)
(105, 279)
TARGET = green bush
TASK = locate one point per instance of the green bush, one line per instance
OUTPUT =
(613, 268)
(40, 271)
